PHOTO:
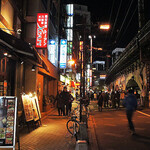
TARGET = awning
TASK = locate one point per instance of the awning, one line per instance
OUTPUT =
(48, 68)
(17, 46)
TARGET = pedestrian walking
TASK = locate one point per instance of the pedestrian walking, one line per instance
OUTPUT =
(130, 102)
(65, 96)
(118, 99)
(92, 96)
(100, 101)
(113, 99)
(71, 99)
(59, 103)
(106, 98)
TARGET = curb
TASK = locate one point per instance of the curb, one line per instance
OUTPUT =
(93, 143)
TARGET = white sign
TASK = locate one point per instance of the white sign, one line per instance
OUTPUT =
(51, 49)
(63, 53)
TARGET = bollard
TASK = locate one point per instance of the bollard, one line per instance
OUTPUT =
(81, 145)
(83, 133)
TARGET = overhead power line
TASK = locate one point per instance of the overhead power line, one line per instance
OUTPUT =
(124, 20)
(116, 18)
(128, 24)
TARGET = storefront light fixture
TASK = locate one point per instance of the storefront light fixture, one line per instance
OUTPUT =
(33, 68)
(19, 31)
(5, 54)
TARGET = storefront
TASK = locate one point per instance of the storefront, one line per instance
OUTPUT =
(16, 61)
(47, 84)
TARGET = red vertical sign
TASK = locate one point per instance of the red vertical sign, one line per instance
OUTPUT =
(42, 30)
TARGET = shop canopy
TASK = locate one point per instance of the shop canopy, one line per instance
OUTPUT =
(17, 46)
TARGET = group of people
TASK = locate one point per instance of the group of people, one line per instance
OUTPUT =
(104, 98)
(129, 102)
(64, 101)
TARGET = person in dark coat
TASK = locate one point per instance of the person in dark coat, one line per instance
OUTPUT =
(71, 99)
(130, 102)
(65, 96)
(105, 98)
(59, 103)
(118, 99)
(100, 102)
(113, 99)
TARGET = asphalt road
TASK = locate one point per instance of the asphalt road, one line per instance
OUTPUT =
(112, 133)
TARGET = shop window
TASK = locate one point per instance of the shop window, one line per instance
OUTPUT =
(3, 65)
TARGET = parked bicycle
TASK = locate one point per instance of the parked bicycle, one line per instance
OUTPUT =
(73, 124)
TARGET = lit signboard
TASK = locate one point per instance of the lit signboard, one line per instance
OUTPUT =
(81, 45)
(69, 48)
(69, 9)
(63, 53)
(69, 33)
(51, 49)
(103, 77)
(42, 30)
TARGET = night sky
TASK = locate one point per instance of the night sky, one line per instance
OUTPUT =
(122, 16)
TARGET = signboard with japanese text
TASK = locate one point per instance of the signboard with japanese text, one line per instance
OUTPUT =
(63, 53)
(27, 105)
(8, 115)
(31, 107)
(42, 30)
(51, 49)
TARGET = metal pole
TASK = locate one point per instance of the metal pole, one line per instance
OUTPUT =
(141, 13)
(91, 59)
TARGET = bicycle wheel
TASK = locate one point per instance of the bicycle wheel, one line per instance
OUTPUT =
(73, 126)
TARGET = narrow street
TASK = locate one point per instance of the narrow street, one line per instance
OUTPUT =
(111, 130)
(52, 135)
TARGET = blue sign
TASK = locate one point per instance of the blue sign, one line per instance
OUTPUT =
(51, 42)
(63, 53)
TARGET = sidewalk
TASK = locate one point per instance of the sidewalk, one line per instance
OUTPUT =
(52, 135)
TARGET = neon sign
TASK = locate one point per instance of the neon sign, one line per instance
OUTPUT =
(42, 30)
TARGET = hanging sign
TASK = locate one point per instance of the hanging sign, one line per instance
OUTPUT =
(42, 30)
(8, 115)
(63, 53)
(51, 49)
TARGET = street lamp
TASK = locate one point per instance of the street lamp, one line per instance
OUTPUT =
(91, 45)
(71, 62)
(105, 26)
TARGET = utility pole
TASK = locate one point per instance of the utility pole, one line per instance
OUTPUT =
(141, 14)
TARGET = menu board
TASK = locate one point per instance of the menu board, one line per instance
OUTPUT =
(37, 105)
(27, 107)
(8, 111)
(31, 108)
(35, 111)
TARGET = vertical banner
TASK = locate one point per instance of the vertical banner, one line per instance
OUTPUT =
(63, 53)
(51, 49)
(42, 30)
